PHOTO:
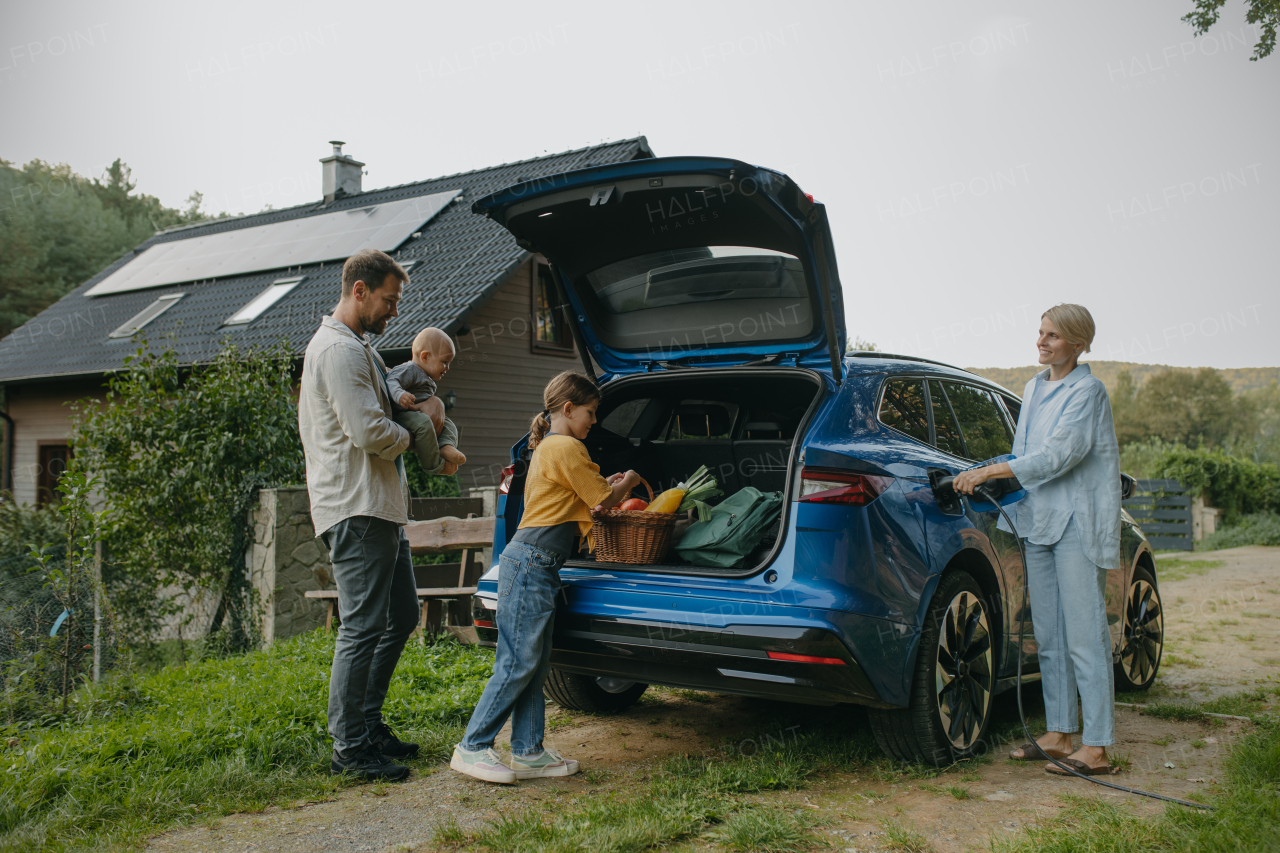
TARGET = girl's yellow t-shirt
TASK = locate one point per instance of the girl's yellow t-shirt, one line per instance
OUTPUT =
(563, 484)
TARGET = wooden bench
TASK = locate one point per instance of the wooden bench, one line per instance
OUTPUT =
(436, 536)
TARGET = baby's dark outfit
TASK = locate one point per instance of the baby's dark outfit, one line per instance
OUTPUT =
(413, 379)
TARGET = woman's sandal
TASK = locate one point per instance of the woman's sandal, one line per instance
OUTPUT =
(1036, 752)
(1081, 768)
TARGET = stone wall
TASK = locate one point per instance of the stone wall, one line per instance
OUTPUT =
(285, 561)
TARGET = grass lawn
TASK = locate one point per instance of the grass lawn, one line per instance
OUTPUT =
(194, 742)
(139, 755)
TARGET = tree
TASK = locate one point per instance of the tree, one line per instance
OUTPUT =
(181, 454)
(1264, 14)
(859, 345)
(1194, 408)
(58, 229)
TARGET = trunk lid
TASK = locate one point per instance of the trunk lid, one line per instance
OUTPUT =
(685, 261)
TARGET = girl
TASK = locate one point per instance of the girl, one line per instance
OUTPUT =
(562, 486)
(1069, 463)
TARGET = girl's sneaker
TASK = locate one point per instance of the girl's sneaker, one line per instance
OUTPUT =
(549, 763)
(482, 764)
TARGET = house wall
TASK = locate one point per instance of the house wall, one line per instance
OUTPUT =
(499, 378)
(41, 415)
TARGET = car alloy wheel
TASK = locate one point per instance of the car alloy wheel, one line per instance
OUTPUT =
(965, 670)
(1143, 641)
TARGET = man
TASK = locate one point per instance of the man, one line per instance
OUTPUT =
(358, 492)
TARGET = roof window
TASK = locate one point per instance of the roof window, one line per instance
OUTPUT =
(264, 300)
(146, 315)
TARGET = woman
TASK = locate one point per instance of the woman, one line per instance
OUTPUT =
(1067, 459)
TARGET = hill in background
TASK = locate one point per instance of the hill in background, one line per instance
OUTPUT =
(1240, 378)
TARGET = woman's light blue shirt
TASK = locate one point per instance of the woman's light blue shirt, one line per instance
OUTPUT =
(1069, 463)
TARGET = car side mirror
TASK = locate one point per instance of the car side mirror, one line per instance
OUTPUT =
(1128, 486)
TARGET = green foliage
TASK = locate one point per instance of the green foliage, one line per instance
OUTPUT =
(1235, 485)
(181, 454)
(859, 345)
(58, 229)
(1178, 406)
(47, 648)
(23, 528)
(1142, 459)
(424, 485)
(1264, 14)
(224, 735)
(1260, 528)
(1264, 444)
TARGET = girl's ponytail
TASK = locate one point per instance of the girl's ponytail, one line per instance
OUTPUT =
(538, 429)
(568, 387)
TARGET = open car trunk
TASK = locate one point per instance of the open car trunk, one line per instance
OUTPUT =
(744, 424)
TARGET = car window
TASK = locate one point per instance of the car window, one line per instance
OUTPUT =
(903, 408)
(986, 434)
(946, 433)
(622, 419)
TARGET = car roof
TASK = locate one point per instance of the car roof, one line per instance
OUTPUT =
(892, 363)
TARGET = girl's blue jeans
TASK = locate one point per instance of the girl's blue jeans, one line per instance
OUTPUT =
(528, 583)
(1069, 616)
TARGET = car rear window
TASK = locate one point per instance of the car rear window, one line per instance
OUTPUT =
(903, 408)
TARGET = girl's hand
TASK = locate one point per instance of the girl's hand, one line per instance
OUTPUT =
(614, 478)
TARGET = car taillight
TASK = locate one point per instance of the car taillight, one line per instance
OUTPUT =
(834, 486)
(508, 474)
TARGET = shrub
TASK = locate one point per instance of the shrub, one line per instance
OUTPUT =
(1237, 486)
(181, 454)
(1262, 528)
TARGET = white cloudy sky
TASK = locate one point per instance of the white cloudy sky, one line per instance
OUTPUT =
(980, 160)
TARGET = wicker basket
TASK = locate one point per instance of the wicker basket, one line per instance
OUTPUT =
(632, 536)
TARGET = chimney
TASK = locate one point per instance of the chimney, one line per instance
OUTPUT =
(340, 175)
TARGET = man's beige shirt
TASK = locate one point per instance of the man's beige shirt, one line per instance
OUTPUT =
(350, 441)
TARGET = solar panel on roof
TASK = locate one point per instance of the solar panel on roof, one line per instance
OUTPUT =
(326, 237)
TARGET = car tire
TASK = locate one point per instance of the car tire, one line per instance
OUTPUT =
(589, 693)
(946, 720)
(1142, 643)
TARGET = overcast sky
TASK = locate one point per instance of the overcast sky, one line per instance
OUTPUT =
(980, 161)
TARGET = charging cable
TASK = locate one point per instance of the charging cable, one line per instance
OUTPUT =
(1022, 626)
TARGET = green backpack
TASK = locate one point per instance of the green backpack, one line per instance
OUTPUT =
(733, 531)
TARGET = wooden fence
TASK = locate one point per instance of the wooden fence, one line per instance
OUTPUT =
(1162, 509)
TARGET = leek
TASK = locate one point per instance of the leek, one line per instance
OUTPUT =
(699, 488)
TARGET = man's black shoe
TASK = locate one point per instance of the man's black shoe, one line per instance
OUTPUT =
(369, 764)
(383, 740)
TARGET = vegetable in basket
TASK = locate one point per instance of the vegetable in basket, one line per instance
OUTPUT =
(691, 494)
(633, 504)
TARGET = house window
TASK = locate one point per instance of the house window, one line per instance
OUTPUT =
(550, 327)
(278, 290)
(53, 464)
(146, 315)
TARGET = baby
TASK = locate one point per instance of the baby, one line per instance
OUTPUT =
(413, 388)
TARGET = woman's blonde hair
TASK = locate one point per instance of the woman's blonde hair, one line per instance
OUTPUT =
(568, 387)
(1074, 323)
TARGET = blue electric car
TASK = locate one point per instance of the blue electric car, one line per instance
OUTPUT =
(706, 293)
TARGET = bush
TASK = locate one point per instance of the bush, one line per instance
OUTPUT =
(1262, 528)
(182, 453)
(1236, 486)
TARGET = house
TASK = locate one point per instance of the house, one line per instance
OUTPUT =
(255, 280)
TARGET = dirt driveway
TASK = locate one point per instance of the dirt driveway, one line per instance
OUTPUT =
(1222, 625)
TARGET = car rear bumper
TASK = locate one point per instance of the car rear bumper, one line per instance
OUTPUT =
(787, 663)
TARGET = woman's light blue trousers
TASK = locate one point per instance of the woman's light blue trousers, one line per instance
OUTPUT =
(1069, 615)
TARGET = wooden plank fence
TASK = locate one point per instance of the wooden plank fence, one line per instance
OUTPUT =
(1162, 509)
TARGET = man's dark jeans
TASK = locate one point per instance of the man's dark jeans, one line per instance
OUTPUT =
(378, 605)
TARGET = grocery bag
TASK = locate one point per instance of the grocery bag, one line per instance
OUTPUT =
(733, 531)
